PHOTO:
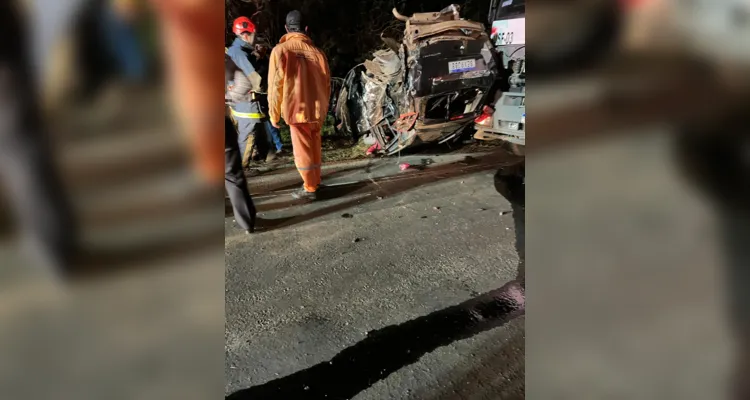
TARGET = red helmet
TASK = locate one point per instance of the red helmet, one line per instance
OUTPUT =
(243, 25)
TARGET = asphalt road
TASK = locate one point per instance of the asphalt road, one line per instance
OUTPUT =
(391, 287)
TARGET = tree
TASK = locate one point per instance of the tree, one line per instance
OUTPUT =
(348, 31)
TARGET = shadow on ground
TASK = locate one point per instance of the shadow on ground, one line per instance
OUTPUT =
(485, 380)
(389, 349)
(368, 191)
(510, 183)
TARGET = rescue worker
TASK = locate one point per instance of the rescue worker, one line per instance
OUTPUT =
(235, 182)
(245, 87)
(299, 86)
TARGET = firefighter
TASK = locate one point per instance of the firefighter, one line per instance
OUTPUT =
(235, 182)
(299, 87)
(245, 88)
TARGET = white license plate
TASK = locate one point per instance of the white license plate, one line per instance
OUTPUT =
(461, 66)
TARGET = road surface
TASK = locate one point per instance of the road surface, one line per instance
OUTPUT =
(360, 295)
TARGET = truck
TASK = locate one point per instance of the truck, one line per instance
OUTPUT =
(505, 118)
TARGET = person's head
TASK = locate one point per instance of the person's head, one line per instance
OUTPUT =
(244, 29)
(261, 48)
(294, 22)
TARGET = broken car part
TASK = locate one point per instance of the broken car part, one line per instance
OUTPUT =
(427, 91)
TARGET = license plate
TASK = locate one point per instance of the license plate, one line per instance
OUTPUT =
(461, 66)
(509, 32)
(510, 125)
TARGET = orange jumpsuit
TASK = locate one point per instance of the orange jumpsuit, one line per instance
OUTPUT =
(299, 87)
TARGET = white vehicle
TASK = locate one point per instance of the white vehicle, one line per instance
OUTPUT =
(506, 119)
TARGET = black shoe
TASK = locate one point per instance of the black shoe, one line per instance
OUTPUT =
(252, 224)
(303, 194)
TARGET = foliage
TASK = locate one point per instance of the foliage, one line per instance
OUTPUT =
(348, 31)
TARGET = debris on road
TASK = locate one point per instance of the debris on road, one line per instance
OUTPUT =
(357, 240)
(404, 166)
(347, 215)
(373, 149)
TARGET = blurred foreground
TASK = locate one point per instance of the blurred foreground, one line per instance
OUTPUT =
(151, 325)
(637, 210)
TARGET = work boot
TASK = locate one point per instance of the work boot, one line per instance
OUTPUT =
(274, 156)
(302, 194)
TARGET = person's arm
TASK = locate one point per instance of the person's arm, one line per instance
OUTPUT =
(243, 63)
(240, 59)
(275, 87)
(327, 70)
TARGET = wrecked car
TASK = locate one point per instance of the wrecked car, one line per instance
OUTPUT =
(428, 88)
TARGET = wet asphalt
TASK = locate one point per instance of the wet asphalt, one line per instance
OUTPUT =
(397, 287)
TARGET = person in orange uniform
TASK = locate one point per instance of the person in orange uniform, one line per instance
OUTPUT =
(299, 87)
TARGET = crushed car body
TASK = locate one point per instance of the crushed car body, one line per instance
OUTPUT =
(427, 88)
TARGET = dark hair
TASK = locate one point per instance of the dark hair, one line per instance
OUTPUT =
(294, 22)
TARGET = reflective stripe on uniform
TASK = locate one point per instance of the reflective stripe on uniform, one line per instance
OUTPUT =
(238, 114)
(310, 168)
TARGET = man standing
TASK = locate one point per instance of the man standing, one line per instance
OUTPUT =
(274, 136)
(244, 88)
(235, 183)
(299, 86)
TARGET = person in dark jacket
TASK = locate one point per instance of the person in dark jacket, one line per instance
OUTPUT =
(261, 61)
(234, 175)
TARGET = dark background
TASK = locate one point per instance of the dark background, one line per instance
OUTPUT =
(346, 30)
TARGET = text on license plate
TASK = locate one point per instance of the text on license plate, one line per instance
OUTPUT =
(461, 66)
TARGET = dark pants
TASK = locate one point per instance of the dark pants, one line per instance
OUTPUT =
(274, 136)
(124, 45)
(234, 179)
(27, 172)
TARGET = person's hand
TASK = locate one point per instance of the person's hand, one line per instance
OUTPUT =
(275, 125)
(129, 10)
